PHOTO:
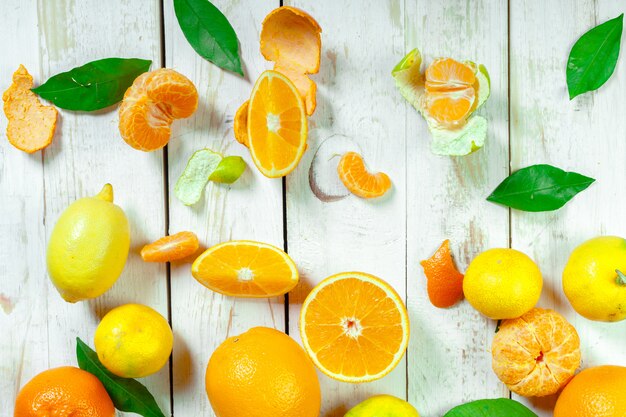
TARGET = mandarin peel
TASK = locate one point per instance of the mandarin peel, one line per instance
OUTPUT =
(444, 281)
(30, 125)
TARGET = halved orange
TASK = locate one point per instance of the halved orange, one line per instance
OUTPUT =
(354, 326)
(171, 248)
(277, 125)
(355, 176)
(244, 268)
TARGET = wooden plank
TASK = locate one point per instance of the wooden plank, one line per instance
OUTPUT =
(449, 352)
(585, 135)
(356, 98)
(23, 320)
(89, 152)
(249, 209)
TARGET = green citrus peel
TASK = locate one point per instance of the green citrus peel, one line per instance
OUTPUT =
(457, 141)
(621, 278)
(206, 165)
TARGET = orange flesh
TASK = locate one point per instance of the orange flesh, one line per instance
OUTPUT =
(355, 176)
(246, 269)
(277, 125)
(31, 124)
(171, 248)
(445, 282)
(150, 106)
(448, 74)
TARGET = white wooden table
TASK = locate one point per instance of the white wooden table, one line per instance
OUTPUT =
(524, 44)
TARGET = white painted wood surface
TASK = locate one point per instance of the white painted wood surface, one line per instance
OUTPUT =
(433, 198)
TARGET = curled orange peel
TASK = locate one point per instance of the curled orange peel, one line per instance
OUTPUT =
(445, 282)
(31, 124)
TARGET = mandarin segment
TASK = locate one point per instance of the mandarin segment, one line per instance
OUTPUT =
(536, 354)
(358, 180)
(150, 106)
(445, 282)
(31, 124)
(171, 248)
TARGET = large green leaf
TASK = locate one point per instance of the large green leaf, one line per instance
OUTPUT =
(499, 407)
(208, 32)
(593, 57)
(126, 393)
(93, 86)
(539, 188)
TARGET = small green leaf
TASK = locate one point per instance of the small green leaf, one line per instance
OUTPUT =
(209, 33)
(93, 86)
(194, 178)
(229, 170)
(499, 407)
(126, 393)
(539, 188)
(593, 57)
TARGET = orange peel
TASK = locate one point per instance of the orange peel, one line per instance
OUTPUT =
(291, 39)
(31, 124)
(445, 282)
(240, 124)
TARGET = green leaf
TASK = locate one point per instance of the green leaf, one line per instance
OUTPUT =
(539, 188)
(593, 57)
(229, 170)
(208, 32)
(194, 178)
(499, 407)
(95, 85)
(126, 393)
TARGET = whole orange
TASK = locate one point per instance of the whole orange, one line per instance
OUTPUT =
(262, 373)
(595, 392)
(63, 392)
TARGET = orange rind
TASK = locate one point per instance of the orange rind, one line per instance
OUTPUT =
(31, 124)
(445, 282)
(150, 106)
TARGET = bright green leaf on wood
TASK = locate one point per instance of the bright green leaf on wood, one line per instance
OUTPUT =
(228, 170)
(127, 394)
(539, 188)
(209, 33)
(194, 178)
(499, 407)
(93, 86)
(593, 57)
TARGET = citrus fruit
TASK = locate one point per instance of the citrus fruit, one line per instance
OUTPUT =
(151, 104)
(594, 279)
(355, 176)
(383, 406)
(262, 373)
(595, 392)
(240, 124)
(64, 391)
(243, 268)
(354, 326)
(88, 247)
(536, 354)
(502, 283)
(133, 341)
(171, 248)
(277, 125)
(445, 282)
(31, 124)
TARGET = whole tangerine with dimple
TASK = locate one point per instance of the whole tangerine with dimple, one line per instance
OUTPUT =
(150, 106)
(64, 391)
(536, 354)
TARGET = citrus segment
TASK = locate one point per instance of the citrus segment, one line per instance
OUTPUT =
(171, 248)
(450, 107)
(242, 268)
(537, 354)
(355, 176)
(448, 74)
(290, 38)
(150, 106)
(31, 124)
(354, 326)
(445, 282)
(277, 125)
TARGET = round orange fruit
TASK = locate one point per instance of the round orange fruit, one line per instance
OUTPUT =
(595, 392)
(536, 354)
(262, 373)
(65, 391)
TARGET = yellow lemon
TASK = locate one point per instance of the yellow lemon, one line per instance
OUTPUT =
(383, 406)
(594, 279)
(502, 283)
(133, 341)
(88, 247)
